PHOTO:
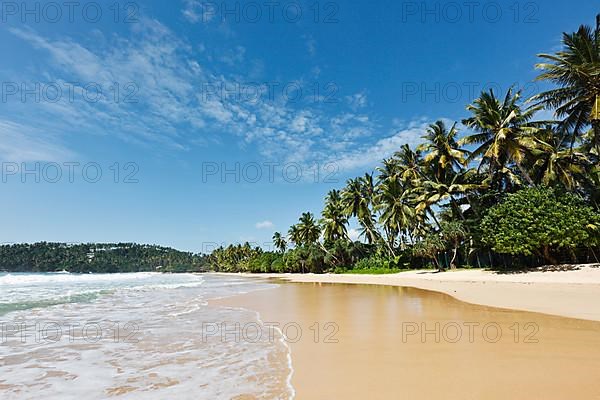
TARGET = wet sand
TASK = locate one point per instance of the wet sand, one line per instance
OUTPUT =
(370, 345)
(571, 293)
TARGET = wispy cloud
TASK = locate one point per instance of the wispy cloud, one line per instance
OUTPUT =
(21, 143)
(372, 154)
(193, 11)
(311, 45)
(168, 74)
(357, 101)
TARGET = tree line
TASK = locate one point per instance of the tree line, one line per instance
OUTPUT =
(97, 258)
(513, 191)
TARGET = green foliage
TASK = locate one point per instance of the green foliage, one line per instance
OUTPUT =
(97, 258)
(234, 258)
(540, 221)
(306, 259)
(430, 248)
(439, 203)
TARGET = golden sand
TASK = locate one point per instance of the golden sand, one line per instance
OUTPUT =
(366, 342)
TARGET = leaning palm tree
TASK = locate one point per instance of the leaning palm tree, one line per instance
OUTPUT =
(334, 219)
(279, 242)
(503, 133)
(575, 70)
(444, 154)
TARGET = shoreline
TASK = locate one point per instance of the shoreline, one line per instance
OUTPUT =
(372, 356)
(569, 294)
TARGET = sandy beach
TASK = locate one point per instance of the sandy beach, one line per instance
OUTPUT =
(432, 336)
(572, 293)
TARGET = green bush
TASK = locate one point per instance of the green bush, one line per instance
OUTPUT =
(540, 221)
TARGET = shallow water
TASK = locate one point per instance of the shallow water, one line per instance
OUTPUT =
(132, 336)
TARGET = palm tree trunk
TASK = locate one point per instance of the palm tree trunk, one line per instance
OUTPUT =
(596, 128)
(435, 219)
(457, 207)
(454, 253)
(436, 262)
(525, 174)
(548, 257)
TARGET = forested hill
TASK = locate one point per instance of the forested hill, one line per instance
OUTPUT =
(97, 258)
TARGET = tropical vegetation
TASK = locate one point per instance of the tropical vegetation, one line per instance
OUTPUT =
(502, 189)
(97, 258)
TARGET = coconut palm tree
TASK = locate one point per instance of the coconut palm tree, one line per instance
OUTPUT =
(433, 193)
(356, 201)
(574, 70)
(443, 152)
(308, 229)
(410, 163)
(368, 229)
(454, 232)
(395, 204)
(279, 242)
(334, 219)
(294, 235)
(555, 162)
(593, 185)
(504, 134)
(389, 170)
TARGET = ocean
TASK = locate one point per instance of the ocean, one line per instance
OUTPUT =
(136, 336)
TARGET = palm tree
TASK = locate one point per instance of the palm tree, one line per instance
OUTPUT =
(368, 188)
(503, 132)
(294, 235)
(430, 248)
(334, 220)
(397, 211)
(356, 201)
(593, 185)
(390, 170)
(554, 162)
(279, 242)
(443, 152)
(308, 229)
(410, 163)
(454, 232)
(575, 70)
(432, 193)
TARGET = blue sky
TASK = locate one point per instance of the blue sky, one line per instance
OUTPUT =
(220, 122)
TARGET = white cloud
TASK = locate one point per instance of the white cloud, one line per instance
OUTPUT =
(265, 225)
(311, 45)
(369, 156)
(234, 56)
(194, 12)
(170, 111)
(20, 143)
(357, 101)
